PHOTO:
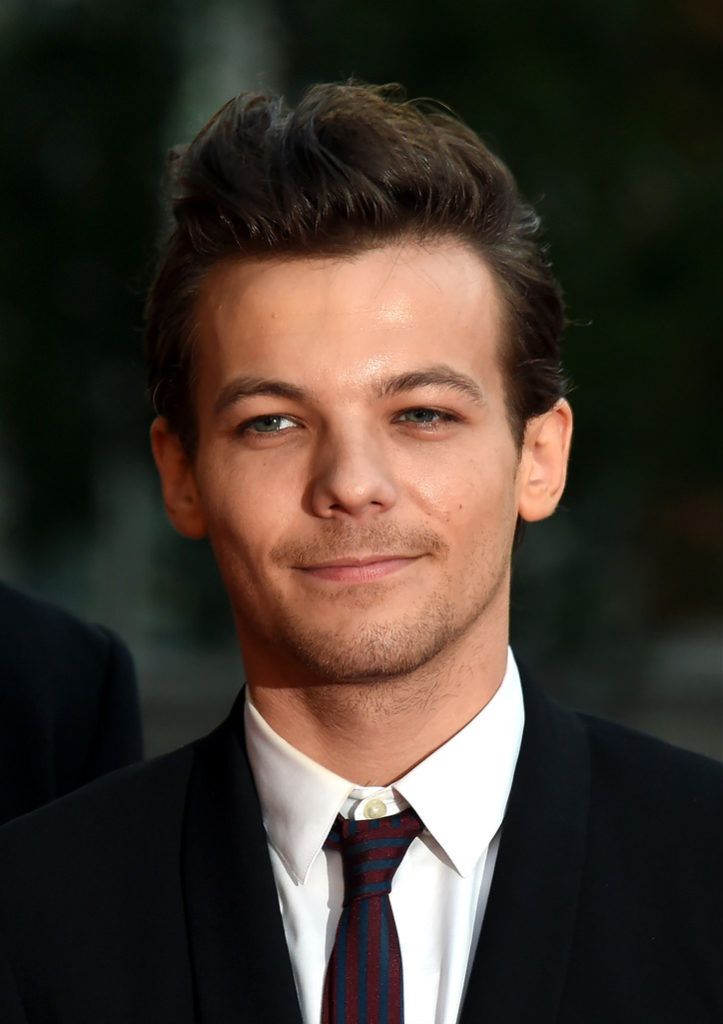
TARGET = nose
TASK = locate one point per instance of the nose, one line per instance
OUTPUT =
(351, 477)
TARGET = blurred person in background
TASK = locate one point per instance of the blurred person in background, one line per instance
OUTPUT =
(69, 709)
(354, 355)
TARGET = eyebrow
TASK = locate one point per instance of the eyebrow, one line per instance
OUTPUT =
(247, 387)
(439, 375)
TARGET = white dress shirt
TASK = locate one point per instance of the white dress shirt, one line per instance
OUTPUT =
(440, 889)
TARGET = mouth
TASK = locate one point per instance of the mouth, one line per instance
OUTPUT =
(364, 569)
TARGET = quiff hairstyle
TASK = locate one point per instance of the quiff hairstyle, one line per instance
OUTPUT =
(351, 168)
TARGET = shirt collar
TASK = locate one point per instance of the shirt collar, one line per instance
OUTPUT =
(460, 791)
(299, 798)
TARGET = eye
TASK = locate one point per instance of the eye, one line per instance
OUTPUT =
(266, 425)
(424, 417)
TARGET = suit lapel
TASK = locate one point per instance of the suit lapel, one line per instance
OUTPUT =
(241, 964)
(519, 968)
(240, 960)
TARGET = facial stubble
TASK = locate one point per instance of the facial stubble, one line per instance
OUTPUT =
(362, 647)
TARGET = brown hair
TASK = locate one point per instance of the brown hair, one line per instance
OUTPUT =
(352, 167)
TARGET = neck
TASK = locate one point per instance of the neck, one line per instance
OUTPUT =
(373, 732)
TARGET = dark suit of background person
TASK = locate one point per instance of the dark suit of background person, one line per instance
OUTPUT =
(149, 898)
(69, 707)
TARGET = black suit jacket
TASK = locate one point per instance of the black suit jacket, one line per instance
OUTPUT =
(148, 897)
(68, 703)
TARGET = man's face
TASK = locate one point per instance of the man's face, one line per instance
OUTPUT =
(355, 469)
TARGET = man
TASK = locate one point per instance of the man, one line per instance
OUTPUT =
(68, 703)
(353, 344)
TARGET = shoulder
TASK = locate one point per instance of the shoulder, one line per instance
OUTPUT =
(625, 764)
(104, 861)
(659, 807)
(116, 819)
(25, 612)
(91, 888)
(640, 790)
(69, 708)
(650, 766)
(34, 632)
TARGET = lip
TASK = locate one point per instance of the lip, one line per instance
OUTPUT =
(359, 570)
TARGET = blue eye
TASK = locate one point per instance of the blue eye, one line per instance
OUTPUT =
(267, 425)
(425, 417)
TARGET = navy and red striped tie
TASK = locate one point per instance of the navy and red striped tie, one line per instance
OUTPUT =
(363, 983)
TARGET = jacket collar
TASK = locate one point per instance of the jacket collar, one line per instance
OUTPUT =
(238, 950)
(519, 969)
(240, 962)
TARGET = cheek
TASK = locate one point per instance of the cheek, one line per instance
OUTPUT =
(246, 509)
(470, 495)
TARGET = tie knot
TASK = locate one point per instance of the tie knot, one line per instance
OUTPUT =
(372, 851)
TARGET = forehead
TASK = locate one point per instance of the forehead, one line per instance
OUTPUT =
(337, 321)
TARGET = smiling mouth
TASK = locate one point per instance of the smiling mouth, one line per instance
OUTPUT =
(359, 570)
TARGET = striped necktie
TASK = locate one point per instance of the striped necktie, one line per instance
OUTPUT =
(363, 983)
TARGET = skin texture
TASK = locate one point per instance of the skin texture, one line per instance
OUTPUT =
(359, 483)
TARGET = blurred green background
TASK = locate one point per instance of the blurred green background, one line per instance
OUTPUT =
(609, 114)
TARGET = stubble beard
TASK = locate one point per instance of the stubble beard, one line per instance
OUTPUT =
(366, 650)
(370, 651)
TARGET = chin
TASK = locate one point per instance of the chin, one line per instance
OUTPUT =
(369, 652)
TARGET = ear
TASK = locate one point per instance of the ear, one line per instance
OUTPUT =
(178, 482)
(543, 462)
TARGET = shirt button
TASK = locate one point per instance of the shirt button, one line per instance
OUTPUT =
(375, 808)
